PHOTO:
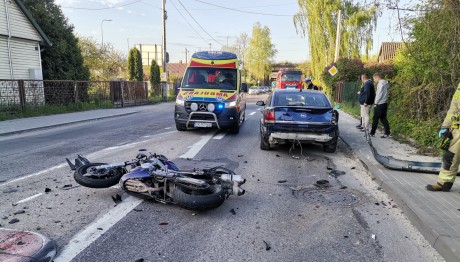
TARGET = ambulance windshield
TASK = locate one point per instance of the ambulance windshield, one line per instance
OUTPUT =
(210, 78)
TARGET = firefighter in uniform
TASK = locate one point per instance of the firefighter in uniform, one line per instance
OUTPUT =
(451, 158)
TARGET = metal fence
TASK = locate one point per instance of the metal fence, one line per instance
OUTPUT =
(347, 92)
(21, 94)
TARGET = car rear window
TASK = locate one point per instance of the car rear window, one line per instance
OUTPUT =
(308, 99)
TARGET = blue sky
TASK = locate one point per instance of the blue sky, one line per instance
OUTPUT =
(139, 22)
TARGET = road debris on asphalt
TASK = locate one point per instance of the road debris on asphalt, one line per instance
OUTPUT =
(322, 183)
(336, 173)
(117, 198)
(138, 209)
(278, 155)
(163, 223)
(240, 155)
(233, 211)
(267, 245)
(14, 221)
(47, 190)
(139, 260)
(282, 181)
(19, 212)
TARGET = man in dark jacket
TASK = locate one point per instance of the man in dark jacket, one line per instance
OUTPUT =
(310, 84)
(366, 99)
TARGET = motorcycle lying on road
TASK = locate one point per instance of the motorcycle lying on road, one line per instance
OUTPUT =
(152, 176)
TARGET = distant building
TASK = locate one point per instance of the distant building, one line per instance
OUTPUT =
(149, 53)
(20, 41)
(388, 50)
(177, 69)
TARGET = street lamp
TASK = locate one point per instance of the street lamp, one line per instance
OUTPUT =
(102, 31)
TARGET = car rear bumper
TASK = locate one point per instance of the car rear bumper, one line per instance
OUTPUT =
(307, 137)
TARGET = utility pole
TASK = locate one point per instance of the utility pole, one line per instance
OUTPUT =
(186, 56)
(164, 90)
(228, 49)
(337, 39)
(164, 15)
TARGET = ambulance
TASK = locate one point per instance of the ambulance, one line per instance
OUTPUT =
(211, 93)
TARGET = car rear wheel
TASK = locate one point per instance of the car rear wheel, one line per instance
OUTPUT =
(264, 144)
(330, 147)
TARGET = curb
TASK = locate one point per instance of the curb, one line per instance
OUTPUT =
(25, 246)
(64, 124)
(444, 245)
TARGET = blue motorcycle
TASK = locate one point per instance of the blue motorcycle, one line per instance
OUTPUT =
(153, 176)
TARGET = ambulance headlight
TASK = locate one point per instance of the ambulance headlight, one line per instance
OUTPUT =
(194, 106)
(211, 107)
(180, 101)
(230, 104)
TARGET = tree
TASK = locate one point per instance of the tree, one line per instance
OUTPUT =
(259, 53)
(155, 78)
(317, 19)
(104, 64)
(135, 70)
(63, 60)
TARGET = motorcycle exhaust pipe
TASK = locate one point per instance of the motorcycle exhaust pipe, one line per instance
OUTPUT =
(233, 178)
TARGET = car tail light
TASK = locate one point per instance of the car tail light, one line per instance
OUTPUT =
(269, 116)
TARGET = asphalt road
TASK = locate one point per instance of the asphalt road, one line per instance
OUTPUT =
(279, 218)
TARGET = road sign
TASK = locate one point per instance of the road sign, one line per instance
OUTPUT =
(333, 71)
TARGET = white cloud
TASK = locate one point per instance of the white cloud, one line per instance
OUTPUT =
(129, 12)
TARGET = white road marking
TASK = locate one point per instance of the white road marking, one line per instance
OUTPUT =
(219, 136)
(168, 128)
(191, 153)
(91, 233)
(34, 174)
(29, 198)
(253, 113)
(259, 109)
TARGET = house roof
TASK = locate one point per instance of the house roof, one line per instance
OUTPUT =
(177, 68)
(388, 50)
(26, 12)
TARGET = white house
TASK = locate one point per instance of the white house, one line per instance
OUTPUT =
(20, 41)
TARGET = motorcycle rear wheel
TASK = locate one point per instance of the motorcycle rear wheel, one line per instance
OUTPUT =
(111, 179)
(199, 201)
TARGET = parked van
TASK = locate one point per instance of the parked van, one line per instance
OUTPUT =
(211, 93)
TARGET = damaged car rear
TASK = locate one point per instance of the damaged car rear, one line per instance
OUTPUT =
(304, 116)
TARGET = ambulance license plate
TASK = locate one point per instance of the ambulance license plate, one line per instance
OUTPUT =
(199, 124)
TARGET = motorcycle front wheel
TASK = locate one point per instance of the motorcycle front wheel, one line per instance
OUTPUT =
(88, 177)
(199, 200)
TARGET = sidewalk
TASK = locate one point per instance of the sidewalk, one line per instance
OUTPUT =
(435, 214)
(41, 122)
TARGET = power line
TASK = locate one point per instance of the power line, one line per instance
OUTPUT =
(187, 21)
(199, 23)
(102, 8)
(242, 11)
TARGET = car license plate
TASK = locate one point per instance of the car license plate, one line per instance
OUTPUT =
(291, 87)
(199, 124)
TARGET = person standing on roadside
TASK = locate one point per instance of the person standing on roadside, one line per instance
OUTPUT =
(366, 99)
(381, 106)
(310, 85)
(360, 126)
(451, 157)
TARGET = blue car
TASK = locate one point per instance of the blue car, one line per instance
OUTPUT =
(293, 115)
